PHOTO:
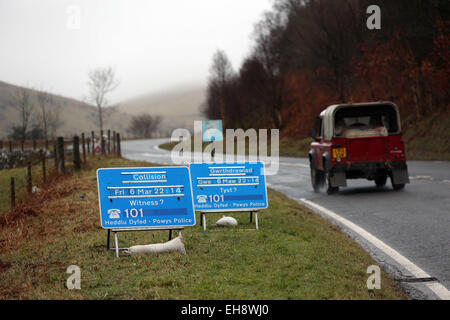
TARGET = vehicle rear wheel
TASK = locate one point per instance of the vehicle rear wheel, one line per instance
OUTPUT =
(329, 188)
(316, 179)
(380, 181)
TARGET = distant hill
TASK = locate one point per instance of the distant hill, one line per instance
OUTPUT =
(76, 116)
(179, 107)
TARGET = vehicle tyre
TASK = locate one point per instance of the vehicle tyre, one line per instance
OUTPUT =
(329, 188)
(398, 186)
(316, 179)
(380, 181)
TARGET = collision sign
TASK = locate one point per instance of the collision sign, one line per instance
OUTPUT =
(145, 197)
(221, 187)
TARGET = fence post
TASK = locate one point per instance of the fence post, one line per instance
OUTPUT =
(83, 148)
(13, 193)
(29, 178)
(88, 144)
(34, 144)
(10, 146)
(109, 142)
(44, 173)
(118, 145)
(1, 144)
(114, 141)
(60, 148)
(93, 142)
(102, 142)
(46, 144)
(55, 153)
(76, 153)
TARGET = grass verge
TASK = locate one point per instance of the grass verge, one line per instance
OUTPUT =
(296, 254)
(428, 139)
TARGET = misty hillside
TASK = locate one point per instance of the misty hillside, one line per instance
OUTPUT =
(179, 107)
(76, 116)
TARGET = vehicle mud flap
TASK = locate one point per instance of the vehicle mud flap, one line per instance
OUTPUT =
(338, 179)
(400, 173)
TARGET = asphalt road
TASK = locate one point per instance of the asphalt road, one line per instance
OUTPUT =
(415, 222)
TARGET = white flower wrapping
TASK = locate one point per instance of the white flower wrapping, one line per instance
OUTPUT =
(226, 221)
(172, 245)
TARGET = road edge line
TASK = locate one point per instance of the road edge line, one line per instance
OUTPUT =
(156, 147)
(440, 290)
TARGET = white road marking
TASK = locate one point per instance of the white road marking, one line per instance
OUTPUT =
(198, 156)
(421, 178)
(441, 291)
(294, 164)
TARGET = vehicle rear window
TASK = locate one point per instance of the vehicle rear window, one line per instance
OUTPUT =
(365, 121)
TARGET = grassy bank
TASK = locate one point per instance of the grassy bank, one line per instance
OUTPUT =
(428, 139)
(20, 182)
(295, 254)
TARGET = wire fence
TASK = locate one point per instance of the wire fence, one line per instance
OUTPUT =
(47, 159)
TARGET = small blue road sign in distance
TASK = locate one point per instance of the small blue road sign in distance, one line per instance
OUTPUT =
(212, 130)
(225, 187)
(145, 197)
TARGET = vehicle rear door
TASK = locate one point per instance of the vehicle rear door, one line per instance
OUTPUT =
(366, 149)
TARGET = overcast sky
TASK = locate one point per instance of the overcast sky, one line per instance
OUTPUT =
(152, 44)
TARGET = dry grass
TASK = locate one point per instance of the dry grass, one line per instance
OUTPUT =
(295, 254)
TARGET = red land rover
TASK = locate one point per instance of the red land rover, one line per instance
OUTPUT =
(361, 140)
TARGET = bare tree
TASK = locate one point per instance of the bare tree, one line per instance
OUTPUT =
(144, 125)
(221, 72)
(268, 37)
(48, 113)
(101, 82)
(23, 103)
(53, 119)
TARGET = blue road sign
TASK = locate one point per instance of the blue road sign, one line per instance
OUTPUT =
(212, 130)
(145, 197)
(224, 187)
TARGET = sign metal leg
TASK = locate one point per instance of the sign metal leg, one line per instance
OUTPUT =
(256, 219)
(108, 239)
(116, 240)
(170, 234)
(204, 222)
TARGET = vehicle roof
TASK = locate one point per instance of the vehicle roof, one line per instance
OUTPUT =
(328, 114)
(331, 109)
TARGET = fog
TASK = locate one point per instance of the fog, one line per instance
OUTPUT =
(153, 45)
